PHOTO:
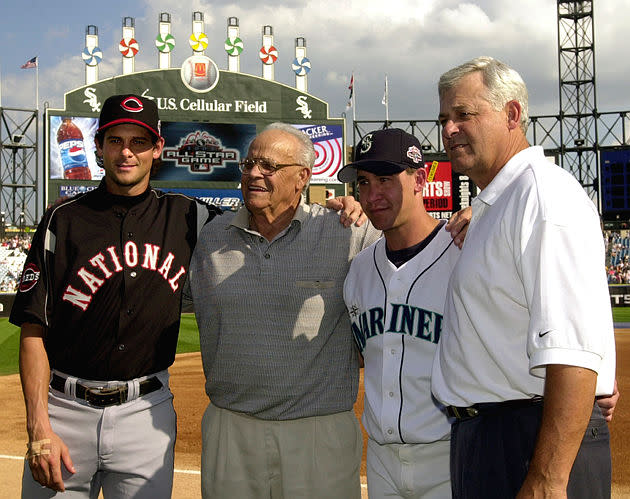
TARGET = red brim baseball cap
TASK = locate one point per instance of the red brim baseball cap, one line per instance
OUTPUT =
(130, 109)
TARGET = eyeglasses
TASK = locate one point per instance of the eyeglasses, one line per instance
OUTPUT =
(266, 166)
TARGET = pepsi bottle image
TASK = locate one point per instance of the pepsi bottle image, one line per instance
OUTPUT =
(72, 151)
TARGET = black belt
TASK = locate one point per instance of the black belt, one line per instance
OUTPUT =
(104, 397)
(490, 407)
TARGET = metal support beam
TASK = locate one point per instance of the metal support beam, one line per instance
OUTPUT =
(18, 166)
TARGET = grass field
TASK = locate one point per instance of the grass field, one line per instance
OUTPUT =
(10, 341)
(621, 314)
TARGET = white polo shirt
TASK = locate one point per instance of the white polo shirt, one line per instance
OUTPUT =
(529, 289)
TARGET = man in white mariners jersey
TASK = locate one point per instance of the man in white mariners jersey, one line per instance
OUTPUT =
(395, 292)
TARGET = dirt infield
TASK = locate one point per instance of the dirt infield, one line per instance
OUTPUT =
(190, 402)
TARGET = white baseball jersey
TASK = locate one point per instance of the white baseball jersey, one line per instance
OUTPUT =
(396, 316)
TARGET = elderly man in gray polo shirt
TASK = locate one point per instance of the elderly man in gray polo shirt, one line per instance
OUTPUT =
(280, 364)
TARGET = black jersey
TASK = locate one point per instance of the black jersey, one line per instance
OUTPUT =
(104, 276)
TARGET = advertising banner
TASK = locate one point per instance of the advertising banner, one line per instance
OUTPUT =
(619, 295)
(227, 199)
(328, 143)
(66, 191)
(6, 303)
(71, 153)
(203, 151)
(438, 191)
(192, 151)
(446, 191)
(208, 117)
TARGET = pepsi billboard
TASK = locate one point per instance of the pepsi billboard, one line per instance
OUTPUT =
(76, 150)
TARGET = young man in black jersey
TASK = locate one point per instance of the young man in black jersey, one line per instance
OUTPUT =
(99, 308)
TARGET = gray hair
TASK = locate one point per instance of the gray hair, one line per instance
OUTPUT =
(502, 82)
(306, 154)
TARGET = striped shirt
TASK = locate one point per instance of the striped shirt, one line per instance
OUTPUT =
(275, 335)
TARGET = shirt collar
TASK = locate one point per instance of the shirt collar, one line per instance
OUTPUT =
(114, 199)
(241, 219)
(509, 172)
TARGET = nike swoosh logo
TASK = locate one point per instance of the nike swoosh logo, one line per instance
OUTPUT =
(540, 335)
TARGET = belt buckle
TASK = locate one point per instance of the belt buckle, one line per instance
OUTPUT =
(103, 397)
(472, 411)
(464, 412)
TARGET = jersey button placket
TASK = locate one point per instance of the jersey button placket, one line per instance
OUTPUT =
(264, 248)
(390, 390)
(131, 262)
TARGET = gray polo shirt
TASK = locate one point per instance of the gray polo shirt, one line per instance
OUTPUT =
(275, 335)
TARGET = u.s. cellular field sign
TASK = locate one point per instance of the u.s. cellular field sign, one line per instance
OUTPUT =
(207, 126)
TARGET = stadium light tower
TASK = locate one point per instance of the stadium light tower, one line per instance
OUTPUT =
(577, 88)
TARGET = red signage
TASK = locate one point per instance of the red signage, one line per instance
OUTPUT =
(200, 69)
(438, 191)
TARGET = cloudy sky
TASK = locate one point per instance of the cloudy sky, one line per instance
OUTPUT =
(412, 41)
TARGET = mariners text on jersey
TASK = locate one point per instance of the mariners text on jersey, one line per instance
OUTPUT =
(396, 314)
(402, 319)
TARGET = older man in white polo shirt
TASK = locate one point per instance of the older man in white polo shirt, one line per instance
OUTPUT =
(528, 339)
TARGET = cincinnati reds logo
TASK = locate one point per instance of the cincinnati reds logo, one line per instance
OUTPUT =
(366, 143)
(414, 154)
(132, 104)
(30, 276)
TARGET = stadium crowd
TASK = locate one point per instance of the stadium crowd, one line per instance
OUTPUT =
(617, 256)
(13, 251)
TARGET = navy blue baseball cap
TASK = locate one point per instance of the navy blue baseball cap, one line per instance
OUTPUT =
(130, 109)
(384, 152)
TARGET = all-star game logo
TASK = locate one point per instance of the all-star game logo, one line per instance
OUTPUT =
(200, 152)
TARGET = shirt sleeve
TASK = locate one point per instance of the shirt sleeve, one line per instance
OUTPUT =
(371, 235)
(31, 300)
(205, 213)
(562, 268)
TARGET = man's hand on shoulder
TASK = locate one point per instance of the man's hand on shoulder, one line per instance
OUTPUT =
(57, 202)
(458, 225)
(350, 211)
